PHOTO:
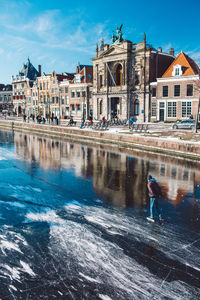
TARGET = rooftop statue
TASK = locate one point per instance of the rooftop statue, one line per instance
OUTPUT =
(118, 37)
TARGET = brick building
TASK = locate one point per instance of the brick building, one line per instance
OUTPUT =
(76, 93)
(175, 95)
(123, 72)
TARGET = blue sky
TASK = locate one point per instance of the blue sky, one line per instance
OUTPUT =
(59, 34)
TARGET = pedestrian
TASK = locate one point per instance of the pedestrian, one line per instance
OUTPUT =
(155, 194)
(56, 120)
(82, 123)
(90, 119)
(103, 120)
(71, 121)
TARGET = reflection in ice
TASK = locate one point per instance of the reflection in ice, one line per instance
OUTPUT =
(73, 223)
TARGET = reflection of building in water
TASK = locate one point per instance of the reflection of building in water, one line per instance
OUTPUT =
(120, 178)
(117, 177)
(176, 180)
(6, 137)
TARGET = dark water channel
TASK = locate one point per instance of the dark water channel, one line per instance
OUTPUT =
(73, 222)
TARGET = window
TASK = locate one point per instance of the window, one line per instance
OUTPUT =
(44, 86)
(73, 107)
(189, 90)
(153, 109)
(153, 92)
(66, 89)
(177, 90)
(185, 175)
(101, 81)
(54, 81)
(136, 108)
(83, 93)
(78, 107)
(66, 99)
(62, 99)
(186, 109)
(172, 109)
(41, 85)
(44, 98)
(52, 99)
(165, 91)
(56, 99)
(72, 94)
(119, 73)
(177, 72)
(52, 90)
(78, 94)
(47, 85)
(101, 107)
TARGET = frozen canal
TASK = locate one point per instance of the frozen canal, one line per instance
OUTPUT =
(73, 223)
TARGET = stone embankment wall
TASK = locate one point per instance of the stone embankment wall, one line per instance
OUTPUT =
(185, 149)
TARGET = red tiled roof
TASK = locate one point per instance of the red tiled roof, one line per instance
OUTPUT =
(189, 66)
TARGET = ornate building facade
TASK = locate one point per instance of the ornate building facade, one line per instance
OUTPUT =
(122, 75)
(21, 83)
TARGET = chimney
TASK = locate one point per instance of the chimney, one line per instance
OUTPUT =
(171, 51)
(40, 70)
(160, 49)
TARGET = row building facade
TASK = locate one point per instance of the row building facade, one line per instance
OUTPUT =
(126, 80)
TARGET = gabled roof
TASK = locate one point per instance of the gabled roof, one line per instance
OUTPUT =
(189, 67)
(29, 71)
(68, 76)
(85, 72)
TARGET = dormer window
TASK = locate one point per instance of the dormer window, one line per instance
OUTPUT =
(177, 70)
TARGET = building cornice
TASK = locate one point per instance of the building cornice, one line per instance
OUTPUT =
(178, 78)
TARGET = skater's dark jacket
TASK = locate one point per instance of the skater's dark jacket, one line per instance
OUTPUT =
(154, 189)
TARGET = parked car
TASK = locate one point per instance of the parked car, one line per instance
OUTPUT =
(186, 124)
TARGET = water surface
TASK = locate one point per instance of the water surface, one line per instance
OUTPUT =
(73, 222)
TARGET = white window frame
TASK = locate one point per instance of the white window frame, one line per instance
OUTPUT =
(187, 114)
(192, 90)
(179, 67)
(168, 91)
(172, 106)
(174, 91)
(153, 109)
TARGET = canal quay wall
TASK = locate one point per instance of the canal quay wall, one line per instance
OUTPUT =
(185, 149)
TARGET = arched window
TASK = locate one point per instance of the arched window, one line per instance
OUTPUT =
(119, 73)
(136, 108)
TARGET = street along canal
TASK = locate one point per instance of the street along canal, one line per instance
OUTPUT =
(73, 222)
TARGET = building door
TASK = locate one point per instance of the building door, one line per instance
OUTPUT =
(161, 111)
